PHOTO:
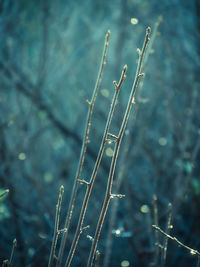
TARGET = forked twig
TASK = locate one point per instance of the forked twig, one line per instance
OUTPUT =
(191, 250)
(108, 194)
(96, 167)
(83, 149)
(4, 193)
(56, 227)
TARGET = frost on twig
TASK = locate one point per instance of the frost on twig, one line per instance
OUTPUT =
(191, 250)
(86, 141)
(56, 227)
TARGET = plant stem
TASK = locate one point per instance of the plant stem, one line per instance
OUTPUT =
(56, 227)
(155, 217)
(13, 252)
(168, 228)
(96, 167)
(97, 259)
(191, 250)
(108, 194)
(83, 149)
(125, 152)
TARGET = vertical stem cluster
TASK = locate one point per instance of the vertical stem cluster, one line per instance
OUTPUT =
(105, 138)
(83, 149)
(125, 152)
(191, 250)
(96, 167)
(108, 194)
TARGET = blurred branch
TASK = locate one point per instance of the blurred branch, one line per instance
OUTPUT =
(39, 103)
(97, 259)
(125, 152)
(43, 55)
(155, 217)
(4, 193)
(12, 196)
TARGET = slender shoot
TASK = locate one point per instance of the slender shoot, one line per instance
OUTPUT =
(155, 218)
(109, 195)
(83, 149)
(97, 259)
(4, 193)
(56, 227)
(96, 167)
(168, 228)
(191, 250)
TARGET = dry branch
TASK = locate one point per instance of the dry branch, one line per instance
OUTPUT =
(56, 227)
(191, 250)
(95, 170)
(84, 147)
(108, 194)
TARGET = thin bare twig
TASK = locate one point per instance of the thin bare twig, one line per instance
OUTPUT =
(191, 250)
(96, 167)
(84, 148)
(198, 261)
(168, 228)
(155, 217)
(108, 194)
(56, 227)
(124, 154)
(97, 258)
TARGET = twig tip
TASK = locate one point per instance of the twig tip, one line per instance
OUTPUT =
(15, 242)
(148, 30)
(125, 67)
(62, 189)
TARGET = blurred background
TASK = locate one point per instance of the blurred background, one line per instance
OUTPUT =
(50, 52)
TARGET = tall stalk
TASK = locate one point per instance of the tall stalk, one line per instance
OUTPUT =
(108, 194)
(56, 227)
(83, 149)
(124, 154)
(96, 167)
